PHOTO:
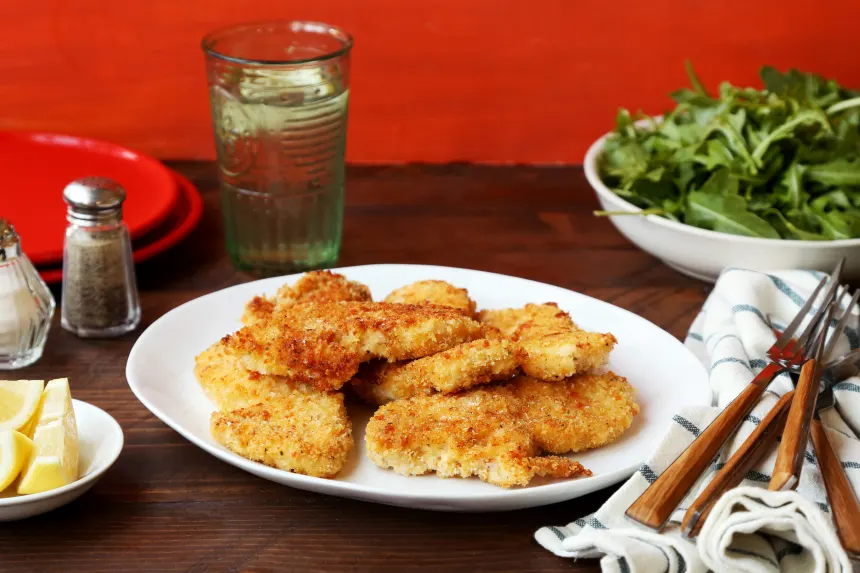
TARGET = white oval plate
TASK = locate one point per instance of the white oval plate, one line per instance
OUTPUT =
(99, 445)
(666, 376)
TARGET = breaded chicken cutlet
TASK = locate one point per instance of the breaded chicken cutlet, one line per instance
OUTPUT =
(312, 287)
(459, 368)
(478, 432)
(434, 292)
(575, 414)
(303, 433)
(553, 346)
(323, 344)
(229, 385)
(271, 420)
(528, 321)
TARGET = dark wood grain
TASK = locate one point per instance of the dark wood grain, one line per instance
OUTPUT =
(168, 506)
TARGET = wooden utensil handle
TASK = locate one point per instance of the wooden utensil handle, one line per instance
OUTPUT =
(742, 461)
(843, 500)
(656, 504)
(789, 459)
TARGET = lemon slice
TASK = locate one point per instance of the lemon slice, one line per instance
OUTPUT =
(15, 449)
(54, 462)
(19, 400)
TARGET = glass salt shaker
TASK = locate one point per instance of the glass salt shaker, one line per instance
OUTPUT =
(100, 296)
(26, 304)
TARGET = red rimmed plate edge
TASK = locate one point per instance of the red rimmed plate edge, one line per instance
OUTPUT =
(162, 244)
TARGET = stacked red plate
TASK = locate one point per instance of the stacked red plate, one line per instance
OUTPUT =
(161, 208)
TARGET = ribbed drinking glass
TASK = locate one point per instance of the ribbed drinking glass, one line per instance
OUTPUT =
(279, 93)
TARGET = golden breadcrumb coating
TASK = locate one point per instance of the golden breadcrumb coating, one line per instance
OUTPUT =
(579, 413)
(323, 344)
(553, 346)
(558, 356)
(459, 368)
(479, 432)
(229, 385)
(303, 433)
(434, 292)
(531, 320)
(315, 286)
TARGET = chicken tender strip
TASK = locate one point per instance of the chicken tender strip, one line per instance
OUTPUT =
(303, 433)
(565, 354)
(323, 344)
(529, 321)
(478, 432)
(459, 368)
(229, 385)
(315, 286)
(576, 414)
(434, 292)
(553, 346)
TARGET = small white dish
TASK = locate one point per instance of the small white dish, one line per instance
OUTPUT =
(703, 254)
(100, 442)
(667, 377)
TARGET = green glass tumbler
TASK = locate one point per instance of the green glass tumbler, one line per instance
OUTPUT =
(279, 94)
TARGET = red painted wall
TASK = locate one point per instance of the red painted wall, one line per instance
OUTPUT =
(526, 81)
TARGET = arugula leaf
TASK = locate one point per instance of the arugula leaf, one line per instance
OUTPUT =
(837, 172)
(727, 214)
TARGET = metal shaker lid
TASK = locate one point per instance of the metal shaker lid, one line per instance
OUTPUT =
(93, 197)
(8, 240)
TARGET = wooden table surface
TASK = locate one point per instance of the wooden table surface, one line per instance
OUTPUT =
(168, 506)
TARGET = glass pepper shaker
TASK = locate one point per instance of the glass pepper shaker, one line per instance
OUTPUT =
(26, 304)
(100, 297)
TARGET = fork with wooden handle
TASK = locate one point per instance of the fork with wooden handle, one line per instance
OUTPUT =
(654, 507)
(792, 448)
(736, 469)
(843, 500)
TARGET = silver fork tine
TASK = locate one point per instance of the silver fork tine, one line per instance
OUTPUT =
(792, 327)
(803, 339)
(840, 326)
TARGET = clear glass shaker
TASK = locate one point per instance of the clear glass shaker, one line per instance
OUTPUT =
(100, 297)
(26, 304)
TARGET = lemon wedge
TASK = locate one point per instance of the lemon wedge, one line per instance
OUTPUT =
(19, 400)
(15, 449)
(54, 461)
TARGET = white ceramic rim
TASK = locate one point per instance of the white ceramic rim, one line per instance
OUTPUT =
(81, 482)
(602, 190)
(343, 488)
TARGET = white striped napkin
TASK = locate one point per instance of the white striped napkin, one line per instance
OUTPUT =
(750, 530)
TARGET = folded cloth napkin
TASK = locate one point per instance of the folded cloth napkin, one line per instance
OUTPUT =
(751, 529)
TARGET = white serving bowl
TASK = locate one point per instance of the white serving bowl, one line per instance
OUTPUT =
(703, 254)
(100, 442)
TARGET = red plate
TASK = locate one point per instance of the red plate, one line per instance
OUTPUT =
(182, 220)
(37, 166)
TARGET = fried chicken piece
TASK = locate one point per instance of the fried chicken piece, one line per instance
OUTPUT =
(323, 344)
(531, 320)
(478, 432)
(271, 420)
(459, 368)
(553, 346)
(579, 413)
(306, 433)
(315, 286)
(229, 385)
(564, 354)
(434, 292)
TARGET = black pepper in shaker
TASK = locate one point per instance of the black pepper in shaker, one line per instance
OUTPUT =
(100, 296)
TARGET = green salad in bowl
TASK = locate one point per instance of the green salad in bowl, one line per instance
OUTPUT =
(781, 162)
